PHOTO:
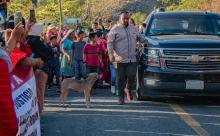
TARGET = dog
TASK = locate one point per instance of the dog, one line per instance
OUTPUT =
(83, 86)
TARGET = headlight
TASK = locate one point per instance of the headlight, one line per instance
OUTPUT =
(153, 58)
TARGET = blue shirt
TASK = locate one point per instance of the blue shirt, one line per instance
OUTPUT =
(77, 50)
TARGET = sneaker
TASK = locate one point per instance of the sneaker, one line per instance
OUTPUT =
(113, 89)
(129, 94)
(121, 101)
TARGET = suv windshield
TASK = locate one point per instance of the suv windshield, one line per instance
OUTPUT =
(196, 25)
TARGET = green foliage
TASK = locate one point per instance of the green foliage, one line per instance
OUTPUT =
(48, 10)
(89, 10)
(139, 17)
(169, 2)
(190, 5)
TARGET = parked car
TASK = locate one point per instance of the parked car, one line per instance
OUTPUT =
(182, 56)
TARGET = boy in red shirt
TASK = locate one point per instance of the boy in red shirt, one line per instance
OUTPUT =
(91, 54)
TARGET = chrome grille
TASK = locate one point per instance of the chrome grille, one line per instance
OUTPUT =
(206, 60)
(194, 52)
(190, 66)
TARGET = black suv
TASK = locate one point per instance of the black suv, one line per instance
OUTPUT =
(182, 56)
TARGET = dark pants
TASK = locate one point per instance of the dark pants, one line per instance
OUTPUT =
(125, 76)
(54, 70)
(93, 69)
(80, 69)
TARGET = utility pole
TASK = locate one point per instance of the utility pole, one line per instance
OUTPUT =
(61, 15)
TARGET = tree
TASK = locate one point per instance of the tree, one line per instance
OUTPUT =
(47, 10)
(192, 5)
(88, 10)
(139, 17)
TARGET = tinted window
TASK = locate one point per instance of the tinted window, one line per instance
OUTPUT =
(185, 25)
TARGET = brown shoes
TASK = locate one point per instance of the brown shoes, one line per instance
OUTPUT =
(121, 101)
(129, 94)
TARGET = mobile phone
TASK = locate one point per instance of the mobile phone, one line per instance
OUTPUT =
(17, 18)
(32, 17)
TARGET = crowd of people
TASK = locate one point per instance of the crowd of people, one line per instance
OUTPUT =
(77, 54)
(74, 53)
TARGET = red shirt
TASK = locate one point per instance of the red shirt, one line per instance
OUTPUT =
(8, 121)
(50, 34)
(103, 46)
(18, 54)
(91, 54)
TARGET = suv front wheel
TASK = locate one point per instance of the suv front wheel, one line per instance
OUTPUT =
(139, 84)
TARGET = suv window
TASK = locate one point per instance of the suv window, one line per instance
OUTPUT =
(184, 25)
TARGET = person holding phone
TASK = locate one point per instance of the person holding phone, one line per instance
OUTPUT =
(8, 121)
(45, 53)
(21, 49)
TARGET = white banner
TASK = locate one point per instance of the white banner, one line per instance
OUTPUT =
(25, 102)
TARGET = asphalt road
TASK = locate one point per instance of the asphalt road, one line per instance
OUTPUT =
(161, 117)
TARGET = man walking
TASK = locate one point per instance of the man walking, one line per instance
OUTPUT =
(121, 44)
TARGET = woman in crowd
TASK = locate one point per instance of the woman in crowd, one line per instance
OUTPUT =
(66, 49)
(21, 48)
(51, 31)
(8, 121)
(44, 52)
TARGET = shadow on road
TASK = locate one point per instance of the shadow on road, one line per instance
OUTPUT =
(139, 118)
(190, 100)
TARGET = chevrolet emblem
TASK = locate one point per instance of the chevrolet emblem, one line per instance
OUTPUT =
(196, 58)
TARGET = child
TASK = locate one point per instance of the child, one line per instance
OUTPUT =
(54, 64)
(91, 55)
(103, 51)
(77, 56)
